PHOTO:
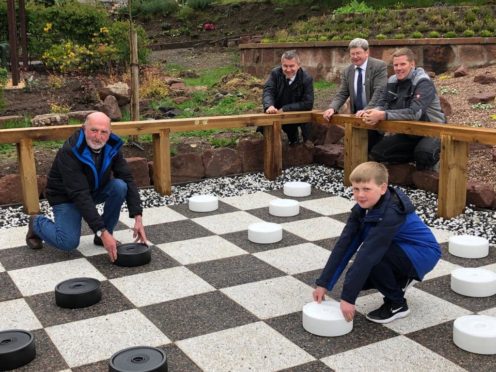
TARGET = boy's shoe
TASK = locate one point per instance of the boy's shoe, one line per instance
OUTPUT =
(388, 312)
(33, 241)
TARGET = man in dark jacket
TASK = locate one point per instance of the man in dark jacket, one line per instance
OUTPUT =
(289, 88)
(410, 95)
(390, 244)
(89, 169)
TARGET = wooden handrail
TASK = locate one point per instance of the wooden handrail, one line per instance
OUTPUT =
(452, 174)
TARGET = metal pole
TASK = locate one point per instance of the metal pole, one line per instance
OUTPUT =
(14, 62)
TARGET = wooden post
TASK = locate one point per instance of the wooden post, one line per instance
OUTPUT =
(452, 194)
(12, 25)
(27, 170)
(161, 162)
(355, 149)
(24, 34)
(134, 76)
(272, 151)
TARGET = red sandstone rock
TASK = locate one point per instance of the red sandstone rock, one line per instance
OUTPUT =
(480, 194)
(485, 79)
(461, 71)
(401, 174)
(139, 170)
(111, 108)
(187, 167)
(221, 162)
(426, 180)
(482, 98)
(251, 153)
(334, 134)
(446, 106)
(328, 154)
(297, 155)
(11, 191)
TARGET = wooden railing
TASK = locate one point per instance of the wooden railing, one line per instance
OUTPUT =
(455, 142)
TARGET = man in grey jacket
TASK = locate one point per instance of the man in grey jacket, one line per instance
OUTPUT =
(410, 95)
(363, 82)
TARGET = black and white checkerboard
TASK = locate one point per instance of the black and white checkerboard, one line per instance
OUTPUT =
(215, 301)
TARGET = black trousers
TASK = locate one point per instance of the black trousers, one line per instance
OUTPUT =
(392, 274)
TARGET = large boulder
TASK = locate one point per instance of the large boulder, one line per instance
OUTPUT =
(139, 169)
(221, 162)
(251, 153)
(111, 108)
(119, 90)
(426, 180)
(482, 98)
(47, 120)
(297, 155)
(401, 174)
(187, 167)
(11, 190)
(328, 154)
(480, 194)
(485, 79)
(79, 115)
(461, 71)
(445, 106)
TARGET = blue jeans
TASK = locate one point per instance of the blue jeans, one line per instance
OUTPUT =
(65, 231)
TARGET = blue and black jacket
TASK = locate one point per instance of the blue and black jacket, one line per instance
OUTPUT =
(369, 234)
(74, 177)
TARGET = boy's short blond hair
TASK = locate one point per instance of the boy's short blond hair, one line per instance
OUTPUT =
(370, 171)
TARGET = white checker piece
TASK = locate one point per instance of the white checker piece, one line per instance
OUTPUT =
(269, 350)
(78, 345)
(161, 285)
(272, 297)
(328, 206)
(297, 258)
(227, 222)
(44, 278)
(314, 229)
(201, 249)
(425, 310)
(16, 314)
(394, 354)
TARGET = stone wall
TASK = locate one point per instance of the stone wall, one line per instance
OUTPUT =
(326, 60)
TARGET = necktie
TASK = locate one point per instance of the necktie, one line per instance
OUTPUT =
(359, 91)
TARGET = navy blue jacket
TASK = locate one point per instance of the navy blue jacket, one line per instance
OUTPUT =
(368, 235)
(74, 178)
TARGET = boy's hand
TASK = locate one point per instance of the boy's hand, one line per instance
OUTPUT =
(319, 294)
(348, 310)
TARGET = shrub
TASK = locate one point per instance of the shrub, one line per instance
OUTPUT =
(199, 4)
(61, 108)
(450, 34)
(399, 36)
(468, 33)
(486, 33)
(416, 35)
(380, 36)
(3, 82)
(159, 7)
(185, 12)
(354, 7)
(433, 34)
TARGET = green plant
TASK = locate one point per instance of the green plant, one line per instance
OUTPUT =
(199, 4)
(323, 84)
(3, 82)
(278, 10)
(185, 12)
(482, 106)
(380, 36)
(157, 7)
(433, 34)
(448, 90)
(416, 35)
(59, 108)
(450, 34)
(486, 33)
(468, 33)
(354, 7)
(222, 142)
(399, 36)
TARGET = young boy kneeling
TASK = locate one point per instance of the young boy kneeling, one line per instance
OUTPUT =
(391, 244)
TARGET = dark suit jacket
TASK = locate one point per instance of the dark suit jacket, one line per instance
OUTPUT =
(375, 83)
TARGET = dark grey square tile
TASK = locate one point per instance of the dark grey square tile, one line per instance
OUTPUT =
(49, 314)
(240, 238)
(363, 333)
(342, 217)
(160, 260)
(316, 194)
(185, 211)
(327, 243)
(316, 366)
(197, 315)
(9, 289)
(47, 357)
(85, 229)
(263, 213)
(22, 257)
(232, 271)
(439, 338)
(468, 262)
(441, 287)
(174, 231)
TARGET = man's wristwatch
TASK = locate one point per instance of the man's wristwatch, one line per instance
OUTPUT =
(100, 232)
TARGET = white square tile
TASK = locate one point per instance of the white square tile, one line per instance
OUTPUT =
(490, 312)
(2, 269)
(40, 279)
(426, 310)
(394, 354)
(442, 236)
(297, 258)
(227, 222)
(17, 314)
(252, 347)
(315, 228)
(91, 340)
(15, 237)
(329, 206)
(250, 201)
(442, 268)
(161, 285)
(272, 297)
(153, 216)
(201, 249)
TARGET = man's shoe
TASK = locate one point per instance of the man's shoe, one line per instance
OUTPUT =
(388, 312)
(98, 241)
(33, 241)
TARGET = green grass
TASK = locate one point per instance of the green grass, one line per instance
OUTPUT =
(323, 84)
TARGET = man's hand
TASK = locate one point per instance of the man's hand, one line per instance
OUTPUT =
(373, 116)
(139, 230)
(328, 114)
(271, 110)
(110, 245)
(319, 294)
(360, 113)
(348, 310)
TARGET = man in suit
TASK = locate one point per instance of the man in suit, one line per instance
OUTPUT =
(289, 88)
(363, 82)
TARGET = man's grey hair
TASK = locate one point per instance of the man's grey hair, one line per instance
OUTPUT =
(359, 43)
(291, 54)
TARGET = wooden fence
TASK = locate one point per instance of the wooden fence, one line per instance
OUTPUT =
(455, 142)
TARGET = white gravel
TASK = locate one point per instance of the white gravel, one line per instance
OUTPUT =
(479, 222)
